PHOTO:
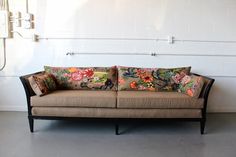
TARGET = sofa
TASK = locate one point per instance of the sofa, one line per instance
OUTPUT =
(116, 93)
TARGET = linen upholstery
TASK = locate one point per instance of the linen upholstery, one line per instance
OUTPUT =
(167, 100)
(76, 98)
(115, 113)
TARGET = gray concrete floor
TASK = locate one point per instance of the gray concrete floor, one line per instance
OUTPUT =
(97, 139)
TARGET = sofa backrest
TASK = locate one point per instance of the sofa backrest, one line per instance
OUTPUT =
(203, 94)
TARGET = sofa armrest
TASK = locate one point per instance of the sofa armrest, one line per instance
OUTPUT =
(28, 90)
(208, 82)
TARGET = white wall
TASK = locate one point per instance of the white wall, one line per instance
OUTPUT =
(212, 20)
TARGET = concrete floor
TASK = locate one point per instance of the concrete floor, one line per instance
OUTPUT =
(97, 139)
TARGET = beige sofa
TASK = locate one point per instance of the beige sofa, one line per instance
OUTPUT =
(117, 105)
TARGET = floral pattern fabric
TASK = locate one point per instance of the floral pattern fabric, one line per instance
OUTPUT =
(130, 78)
(191, 85)
(42, 83)
(150, 79)
(98, 78)
(168, 79)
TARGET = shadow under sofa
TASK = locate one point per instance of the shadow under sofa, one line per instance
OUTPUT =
(116, 105)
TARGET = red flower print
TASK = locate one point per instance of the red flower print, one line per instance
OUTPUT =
(145, 75)
(190, 92)
(88, 73)
(77, 76)
(133, 85)
(147, 78)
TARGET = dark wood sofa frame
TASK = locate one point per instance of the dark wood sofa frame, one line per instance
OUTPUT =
(204, 94)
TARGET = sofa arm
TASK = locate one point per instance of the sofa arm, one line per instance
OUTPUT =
(208, 82)
(28, 90)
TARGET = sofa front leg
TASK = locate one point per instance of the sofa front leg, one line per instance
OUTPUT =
(202, 126)
(31, 124)
(117, 129)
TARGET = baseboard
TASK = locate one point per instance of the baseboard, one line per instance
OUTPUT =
(13, 108)
(211, 110)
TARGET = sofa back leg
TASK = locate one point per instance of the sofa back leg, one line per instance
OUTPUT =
(31, 124)
(117, 129)
(202, 126)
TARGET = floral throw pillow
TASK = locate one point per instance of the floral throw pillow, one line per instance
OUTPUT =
(132, 78)
(191, 85)
(42, 83)
(98, 78)
(168, 79)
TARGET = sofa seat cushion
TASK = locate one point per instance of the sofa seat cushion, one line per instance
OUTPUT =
(76, 98)
(158, 100)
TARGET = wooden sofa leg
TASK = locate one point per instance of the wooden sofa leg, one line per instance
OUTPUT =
(31, 124)
(202, 126)
(117, 129)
